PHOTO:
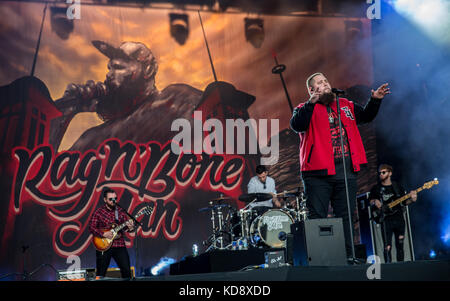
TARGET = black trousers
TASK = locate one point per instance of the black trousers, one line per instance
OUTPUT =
(320, 191)
(393, 225)
(120, 256)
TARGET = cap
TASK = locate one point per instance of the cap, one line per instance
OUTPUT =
(127, 50)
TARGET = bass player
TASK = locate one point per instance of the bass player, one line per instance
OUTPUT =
(383, 193)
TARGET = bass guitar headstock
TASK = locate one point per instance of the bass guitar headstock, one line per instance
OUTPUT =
(430, 184)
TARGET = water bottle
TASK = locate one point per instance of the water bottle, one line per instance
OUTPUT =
(194, 250)
(240, 244)
(234, 245)
(244, 244)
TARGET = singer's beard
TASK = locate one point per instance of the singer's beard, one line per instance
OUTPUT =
(121, 100)
(326, 98)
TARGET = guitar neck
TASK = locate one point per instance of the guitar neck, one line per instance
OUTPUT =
(121, 226)
(403, 198)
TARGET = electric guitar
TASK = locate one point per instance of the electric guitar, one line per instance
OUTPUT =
(379, 214)
(103, 244)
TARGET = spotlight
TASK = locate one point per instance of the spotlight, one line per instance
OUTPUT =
(162, 264)
(254, 31)
(431, 16)
(61, 25)
(432, 254)
(179, 27)
(223, 4)
(353, 31)
(446, 238)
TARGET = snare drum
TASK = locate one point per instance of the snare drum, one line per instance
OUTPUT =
(271, 228)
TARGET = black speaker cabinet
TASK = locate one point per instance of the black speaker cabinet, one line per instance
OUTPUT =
(218, 261)
(318, 242)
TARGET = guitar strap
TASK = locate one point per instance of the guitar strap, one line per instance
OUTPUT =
(116, 213)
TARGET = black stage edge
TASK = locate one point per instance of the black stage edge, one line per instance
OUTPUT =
(220, 261)
(429, 270)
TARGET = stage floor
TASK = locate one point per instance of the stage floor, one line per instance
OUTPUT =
(429, 270)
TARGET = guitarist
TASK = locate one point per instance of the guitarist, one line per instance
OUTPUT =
(381, 194)
(103, 218)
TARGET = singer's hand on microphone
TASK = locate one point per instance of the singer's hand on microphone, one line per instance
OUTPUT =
(85, 94)
(381, 91)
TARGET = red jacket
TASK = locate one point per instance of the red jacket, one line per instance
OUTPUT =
(316, 151)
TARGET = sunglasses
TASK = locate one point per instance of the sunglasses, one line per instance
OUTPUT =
(112, 199)
(383, 172)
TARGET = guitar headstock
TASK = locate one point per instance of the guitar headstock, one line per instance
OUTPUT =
(430, 184)
(147, 210)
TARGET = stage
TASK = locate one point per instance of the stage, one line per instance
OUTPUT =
(429, 270)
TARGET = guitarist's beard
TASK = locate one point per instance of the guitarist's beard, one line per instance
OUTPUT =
(111, 207)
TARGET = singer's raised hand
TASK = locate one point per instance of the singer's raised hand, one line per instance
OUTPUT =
(314, 96)
(381, 91)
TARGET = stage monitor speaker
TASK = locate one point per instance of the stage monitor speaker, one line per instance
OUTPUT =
(219, 261)
(318, 242)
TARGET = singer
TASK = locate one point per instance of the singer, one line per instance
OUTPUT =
(322, 169)
(103, 218)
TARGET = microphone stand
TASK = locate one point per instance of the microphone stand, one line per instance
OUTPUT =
(137, 224)
(350, 222)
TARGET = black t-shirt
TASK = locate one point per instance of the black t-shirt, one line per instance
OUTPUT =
(335, 136)
(388, 194)
(337, 150)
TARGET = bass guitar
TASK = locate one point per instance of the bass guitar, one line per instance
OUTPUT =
(379, 214)
(102, 244)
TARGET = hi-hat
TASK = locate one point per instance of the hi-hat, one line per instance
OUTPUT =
(212, 208)
(289, 194)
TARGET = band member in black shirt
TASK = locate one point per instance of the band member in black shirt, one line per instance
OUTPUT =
(383, 193)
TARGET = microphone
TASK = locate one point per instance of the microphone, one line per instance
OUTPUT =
(337, 91)
(85, 93)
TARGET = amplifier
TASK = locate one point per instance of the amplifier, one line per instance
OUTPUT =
(89, 274)
(77, 275)
(275, 259)
(318, 242)
(115, 273)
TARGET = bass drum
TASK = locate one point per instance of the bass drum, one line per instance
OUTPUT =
(270, 227)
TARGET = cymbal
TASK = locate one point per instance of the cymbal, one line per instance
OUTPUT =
(221, 199)
(247, 198)
(212, 207)
(292, 193)
(288, 194)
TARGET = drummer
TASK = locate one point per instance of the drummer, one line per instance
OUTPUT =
(262, 183)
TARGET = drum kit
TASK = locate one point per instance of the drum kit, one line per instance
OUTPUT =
(261, 227)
